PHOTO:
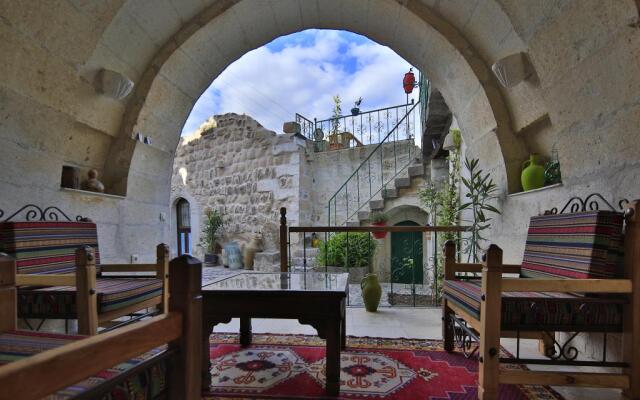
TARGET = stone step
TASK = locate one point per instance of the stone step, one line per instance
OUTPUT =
(353, 223)
(389, 193)
(310, 251)
(363, 215)
(376, 205)
(402, 183)
(415, 170)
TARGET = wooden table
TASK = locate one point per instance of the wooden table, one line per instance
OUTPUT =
(316, 299)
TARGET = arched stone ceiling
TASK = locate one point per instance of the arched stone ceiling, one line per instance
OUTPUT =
(174, 69)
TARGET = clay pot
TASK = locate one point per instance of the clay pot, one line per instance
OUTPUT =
(379, 235)
(532, 173)
(234, 255)
(371, 292)
(93, 184)
(254, 246)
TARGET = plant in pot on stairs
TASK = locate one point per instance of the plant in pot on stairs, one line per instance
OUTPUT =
(213, 223)
(379, 219)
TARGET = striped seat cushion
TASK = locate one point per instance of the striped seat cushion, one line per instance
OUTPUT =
(60, 301)
(540, 310)
(47, 247)
(586, 245)
(147, 384)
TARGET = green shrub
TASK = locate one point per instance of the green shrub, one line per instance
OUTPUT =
(342, 250)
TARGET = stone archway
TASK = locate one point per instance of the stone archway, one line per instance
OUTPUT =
(220, 34)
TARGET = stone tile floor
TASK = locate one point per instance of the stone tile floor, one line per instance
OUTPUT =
(419, 323)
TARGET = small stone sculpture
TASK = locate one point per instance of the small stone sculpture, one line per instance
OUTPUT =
(93, 184)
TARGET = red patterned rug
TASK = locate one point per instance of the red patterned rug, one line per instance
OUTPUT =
(292, 367)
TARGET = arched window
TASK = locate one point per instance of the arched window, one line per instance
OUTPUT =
(183, 223)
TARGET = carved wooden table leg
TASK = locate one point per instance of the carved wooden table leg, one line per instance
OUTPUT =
(343, 331)
(333, 356)
(245, 331)
(207, 328)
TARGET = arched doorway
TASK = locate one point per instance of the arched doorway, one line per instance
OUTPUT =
(183, 226)
(406, 255)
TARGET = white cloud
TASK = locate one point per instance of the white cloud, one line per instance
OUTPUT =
(302, 76)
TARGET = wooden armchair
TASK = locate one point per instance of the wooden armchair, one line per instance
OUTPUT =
(158, 357)
(572, 280)
(56, 283)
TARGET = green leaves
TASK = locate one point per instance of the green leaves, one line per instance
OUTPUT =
(212, 224)
(481, 190)
(347, 250)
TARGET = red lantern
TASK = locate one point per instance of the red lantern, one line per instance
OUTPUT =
(409, 81)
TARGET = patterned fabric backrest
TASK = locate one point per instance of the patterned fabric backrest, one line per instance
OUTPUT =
(585, 245)
(47, 247)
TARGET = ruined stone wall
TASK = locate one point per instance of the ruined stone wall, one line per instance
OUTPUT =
(243, 170)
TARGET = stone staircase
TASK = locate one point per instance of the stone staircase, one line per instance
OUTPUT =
(408, 181)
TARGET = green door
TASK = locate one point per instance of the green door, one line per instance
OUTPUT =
(406, 255)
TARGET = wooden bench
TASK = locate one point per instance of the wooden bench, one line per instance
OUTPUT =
(55, 284)
(155, 358)
(575, 277)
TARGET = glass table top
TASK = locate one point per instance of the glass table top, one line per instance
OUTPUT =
(311, 281)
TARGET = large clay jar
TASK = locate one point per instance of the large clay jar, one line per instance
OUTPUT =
(234, 255)
(532, 173)
(371, 292)
(254, 246)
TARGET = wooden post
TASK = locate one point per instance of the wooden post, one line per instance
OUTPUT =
(490, 313)
(631, 321)
(449, 274)
(162, 273)
(185, 297)
(86, 294)
(8, 305)
(284, 257)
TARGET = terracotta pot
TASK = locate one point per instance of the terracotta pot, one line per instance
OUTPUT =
(379, 235)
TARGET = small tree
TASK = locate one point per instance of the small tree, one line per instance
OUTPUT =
(337, 113)
(481, 190)
(212, 224)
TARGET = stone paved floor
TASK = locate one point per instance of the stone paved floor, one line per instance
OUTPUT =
(419, 323)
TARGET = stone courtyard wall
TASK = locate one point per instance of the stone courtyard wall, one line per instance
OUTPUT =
(244, 171)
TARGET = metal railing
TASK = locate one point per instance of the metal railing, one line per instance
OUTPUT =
(382, 165)
(414, 280)
(364, 128)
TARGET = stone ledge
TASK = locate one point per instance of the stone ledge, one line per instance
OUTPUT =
(555, 185)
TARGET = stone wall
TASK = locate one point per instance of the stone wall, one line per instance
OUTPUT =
(331, 169)
(244, 171)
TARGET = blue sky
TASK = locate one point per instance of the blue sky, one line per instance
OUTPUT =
(300, 73)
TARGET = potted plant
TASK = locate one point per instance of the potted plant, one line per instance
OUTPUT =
(209, 240)
(379, 219)
(347, 252)
(356, 107)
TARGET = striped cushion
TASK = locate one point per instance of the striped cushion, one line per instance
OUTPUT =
(147, 384)
(47, 247)
(60, 301)
(540, 310)
(585, 245)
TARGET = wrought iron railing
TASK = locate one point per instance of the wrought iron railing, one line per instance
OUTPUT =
(411, 280)
(363, 128)
(382, 165)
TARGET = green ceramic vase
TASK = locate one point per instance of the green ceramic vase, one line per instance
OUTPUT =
(532, 173)
(371, 292)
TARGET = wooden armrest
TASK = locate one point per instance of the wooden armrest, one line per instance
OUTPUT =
(60, 367)
(128, 267)
(468, 267)
(566, 285)
(46, 280)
